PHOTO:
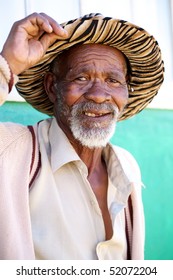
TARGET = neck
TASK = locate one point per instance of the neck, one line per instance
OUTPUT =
(91, 157)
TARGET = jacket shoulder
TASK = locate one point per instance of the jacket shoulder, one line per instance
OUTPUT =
(11, 133)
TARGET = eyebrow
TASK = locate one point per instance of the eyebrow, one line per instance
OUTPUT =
(87, 69)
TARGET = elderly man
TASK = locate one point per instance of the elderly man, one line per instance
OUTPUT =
(66, 192)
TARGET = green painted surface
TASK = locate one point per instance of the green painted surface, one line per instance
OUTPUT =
(149, 137)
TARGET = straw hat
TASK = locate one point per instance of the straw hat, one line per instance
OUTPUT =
(140, 48)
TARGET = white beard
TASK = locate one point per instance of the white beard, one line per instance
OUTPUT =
(94, 136)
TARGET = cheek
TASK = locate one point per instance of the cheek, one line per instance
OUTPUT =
(120, 97)
(71, 94)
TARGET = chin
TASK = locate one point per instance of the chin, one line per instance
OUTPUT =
(93, 138)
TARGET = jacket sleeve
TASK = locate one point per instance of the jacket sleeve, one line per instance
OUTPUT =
(15, 161)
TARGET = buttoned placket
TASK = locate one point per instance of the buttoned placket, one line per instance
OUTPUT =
(93, 200)
(114, 209)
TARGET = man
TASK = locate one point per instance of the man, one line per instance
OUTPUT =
(71, 194)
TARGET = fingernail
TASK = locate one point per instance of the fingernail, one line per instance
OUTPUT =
(64, 32)
(50, 28)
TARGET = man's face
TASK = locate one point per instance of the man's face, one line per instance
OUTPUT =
(91, 92)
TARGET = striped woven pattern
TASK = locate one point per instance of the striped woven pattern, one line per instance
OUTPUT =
(141, 49)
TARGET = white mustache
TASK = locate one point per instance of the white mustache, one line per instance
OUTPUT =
(78, 109)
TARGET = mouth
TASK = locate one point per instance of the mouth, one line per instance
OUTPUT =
(97, 119)
(97, 115)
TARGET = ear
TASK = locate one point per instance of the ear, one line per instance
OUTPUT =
(49, 85)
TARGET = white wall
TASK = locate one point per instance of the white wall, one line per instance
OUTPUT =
(61, 10)
(10, 11)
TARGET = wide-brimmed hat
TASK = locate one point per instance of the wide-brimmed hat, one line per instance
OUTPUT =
(140, 48)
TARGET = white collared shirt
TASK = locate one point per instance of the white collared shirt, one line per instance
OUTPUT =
(66, 219)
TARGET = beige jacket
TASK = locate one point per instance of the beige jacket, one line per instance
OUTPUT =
(19, 161)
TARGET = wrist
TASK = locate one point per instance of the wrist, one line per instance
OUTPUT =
(7, 74)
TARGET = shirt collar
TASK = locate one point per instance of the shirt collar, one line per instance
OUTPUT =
(62, 151)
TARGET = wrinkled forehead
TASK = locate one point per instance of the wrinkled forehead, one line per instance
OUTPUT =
(90, 51)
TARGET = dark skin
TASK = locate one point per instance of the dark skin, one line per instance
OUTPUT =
(99, 75)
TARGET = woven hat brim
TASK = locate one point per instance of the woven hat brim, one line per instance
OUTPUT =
(141, 49)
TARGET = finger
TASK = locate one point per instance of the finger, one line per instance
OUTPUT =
(47, 40)
(35, 24)
(57, 28)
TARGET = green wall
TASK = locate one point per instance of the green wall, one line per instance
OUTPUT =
(149, 137)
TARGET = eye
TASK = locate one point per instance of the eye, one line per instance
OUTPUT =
(81, 78)
(111, 80)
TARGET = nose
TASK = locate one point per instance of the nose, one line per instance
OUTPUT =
(97, 93)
